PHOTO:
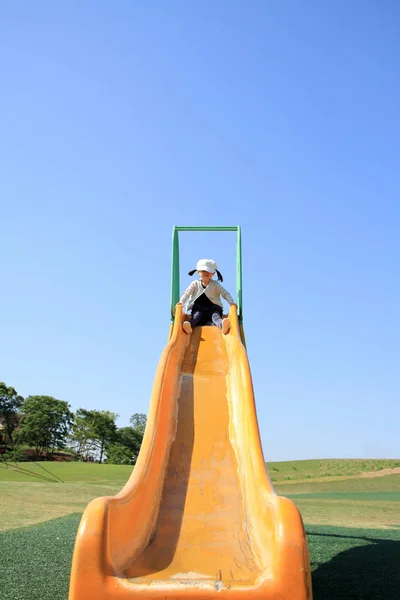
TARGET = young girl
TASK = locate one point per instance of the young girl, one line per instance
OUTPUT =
(204, 297)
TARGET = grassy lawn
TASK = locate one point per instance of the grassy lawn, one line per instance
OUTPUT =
(352, 502)
(352, 522)
(350, 513)
(25, 504)
(361, 501)
(68, 472)
(283, 473)
(347, 564)
(27, 500)
(289, 471)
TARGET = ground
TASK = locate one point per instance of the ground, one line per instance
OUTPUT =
(350, 508)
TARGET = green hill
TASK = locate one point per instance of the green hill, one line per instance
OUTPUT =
(317, 469)
(355, 493)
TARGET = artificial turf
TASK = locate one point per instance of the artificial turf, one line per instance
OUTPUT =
(347, 564)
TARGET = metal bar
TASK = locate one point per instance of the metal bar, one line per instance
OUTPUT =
(175, 283)
(49, 472)
(239, 288)
(17, 469)
(206, 228)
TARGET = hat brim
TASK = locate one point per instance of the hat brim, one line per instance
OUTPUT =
(206, 269)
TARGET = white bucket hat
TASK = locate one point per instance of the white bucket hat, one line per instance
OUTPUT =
(207, 264)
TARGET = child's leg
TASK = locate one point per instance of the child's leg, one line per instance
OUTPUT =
(225, 324)
(216, 319)
(196, 318)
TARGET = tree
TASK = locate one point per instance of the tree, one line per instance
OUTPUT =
(15, 455)
(138, 422)
(118, 454)
(46, 423)
(83, 435)
(125, 449)
(132, 440)
(10, 404)
(105, 428)
(94, 430)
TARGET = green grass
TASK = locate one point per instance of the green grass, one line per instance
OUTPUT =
(354, 564)
(355, 501)
(350, 513)
(388, 483)
(347, 564)
(353, 496)
(68, 472)
(39, 520)
(362, 502)
(24, 503)
(27, 499)
(314, 469)
(35, 562)
(294, 471)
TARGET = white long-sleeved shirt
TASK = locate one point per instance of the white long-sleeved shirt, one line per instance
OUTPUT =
(213, 291)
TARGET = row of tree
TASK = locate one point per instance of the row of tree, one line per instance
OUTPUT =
(43, 425)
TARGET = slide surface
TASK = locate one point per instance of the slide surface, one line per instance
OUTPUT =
(198, 517)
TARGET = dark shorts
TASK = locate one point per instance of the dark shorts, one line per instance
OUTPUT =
(206, 316)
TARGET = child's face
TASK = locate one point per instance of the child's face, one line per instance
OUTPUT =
(205, 276)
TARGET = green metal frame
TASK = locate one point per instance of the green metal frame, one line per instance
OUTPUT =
(175, 285)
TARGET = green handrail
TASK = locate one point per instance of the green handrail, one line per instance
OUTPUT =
(175, 285)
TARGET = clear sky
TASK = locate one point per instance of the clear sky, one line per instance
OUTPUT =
(121, 119)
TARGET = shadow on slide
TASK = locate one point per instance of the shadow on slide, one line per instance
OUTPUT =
(160, 553)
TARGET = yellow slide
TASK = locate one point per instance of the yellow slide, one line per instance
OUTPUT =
(198, 517)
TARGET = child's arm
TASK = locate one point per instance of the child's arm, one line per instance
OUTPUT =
(185, 296)
(226, 295)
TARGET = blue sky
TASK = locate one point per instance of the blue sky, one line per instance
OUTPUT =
(119, 120)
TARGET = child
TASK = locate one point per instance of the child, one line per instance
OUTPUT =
(204, 298)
